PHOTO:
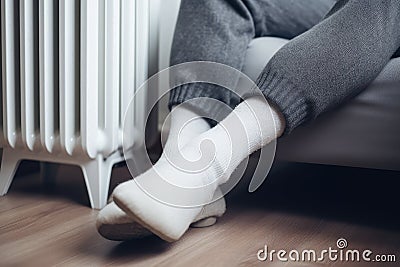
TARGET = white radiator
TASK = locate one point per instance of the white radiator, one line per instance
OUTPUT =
(69, 68)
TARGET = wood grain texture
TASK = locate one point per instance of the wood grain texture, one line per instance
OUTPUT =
(299, 207)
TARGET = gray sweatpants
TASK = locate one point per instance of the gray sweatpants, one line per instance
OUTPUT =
(330, 58)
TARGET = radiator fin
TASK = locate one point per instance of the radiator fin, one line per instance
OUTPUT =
(142, 24)
(10, 71)
(90, 76)
(128, 33)
(29, 37)
(49, 72)
(69, 74)
(111, 74)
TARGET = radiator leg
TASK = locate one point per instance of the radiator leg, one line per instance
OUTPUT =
(9, 165)
(97, 174)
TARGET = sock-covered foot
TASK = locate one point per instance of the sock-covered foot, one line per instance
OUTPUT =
(169, 196)
(114, 224)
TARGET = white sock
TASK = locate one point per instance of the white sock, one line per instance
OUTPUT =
(184, 126)
(167, 198)
(115, 224)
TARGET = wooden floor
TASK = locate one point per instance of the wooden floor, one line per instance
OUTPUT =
(299, 207)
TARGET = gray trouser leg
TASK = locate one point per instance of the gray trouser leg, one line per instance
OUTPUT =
(314, 72)
(220, 31)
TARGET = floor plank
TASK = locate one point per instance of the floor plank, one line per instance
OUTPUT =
(299, 207)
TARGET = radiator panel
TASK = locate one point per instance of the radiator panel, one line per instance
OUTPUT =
(69, 69)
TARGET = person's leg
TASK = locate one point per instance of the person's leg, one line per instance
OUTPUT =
(333, 61)
(199, 36)
(221, 30)
(199, 29)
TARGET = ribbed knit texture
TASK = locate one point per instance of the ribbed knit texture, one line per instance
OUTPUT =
(284, 95)
(327, 62)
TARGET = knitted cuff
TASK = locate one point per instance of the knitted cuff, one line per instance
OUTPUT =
(289, 100)
(203, 96)
(275, 86)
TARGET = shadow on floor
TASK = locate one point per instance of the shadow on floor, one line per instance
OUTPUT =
(355, 195)
(362, 196)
